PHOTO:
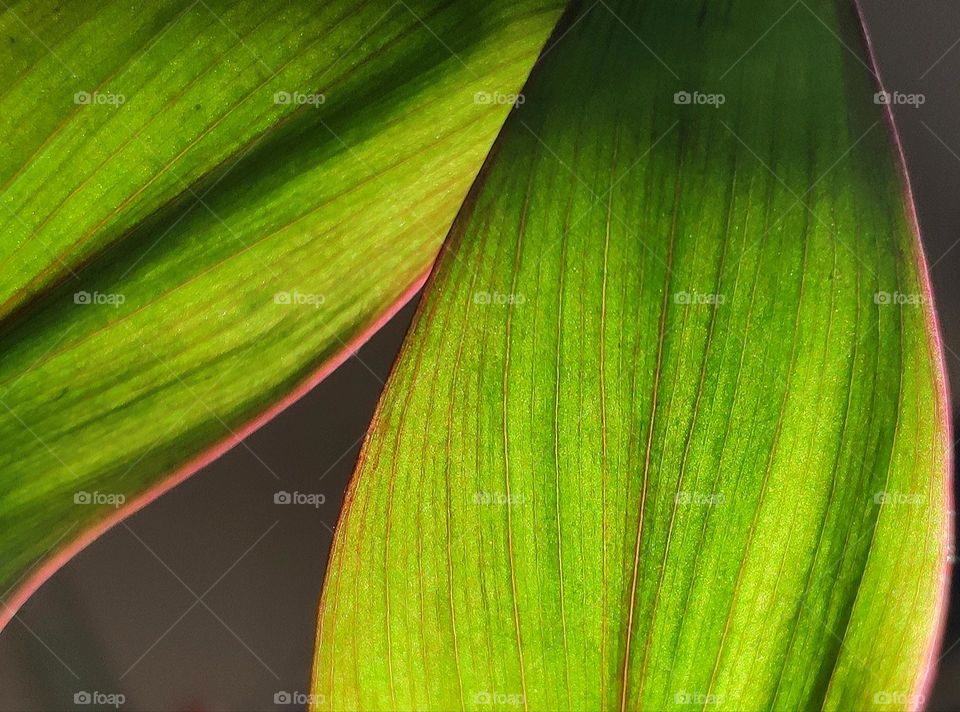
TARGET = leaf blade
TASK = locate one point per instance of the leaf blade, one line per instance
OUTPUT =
(210, 301)
(691, 398)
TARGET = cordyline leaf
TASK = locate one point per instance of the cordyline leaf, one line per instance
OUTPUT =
(670, 427)
(238, 194)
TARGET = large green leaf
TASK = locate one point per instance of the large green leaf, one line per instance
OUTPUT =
(670, 427)
(205, 205)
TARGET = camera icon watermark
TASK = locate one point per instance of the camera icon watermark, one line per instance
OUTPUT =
(100, 699)
(115, 500)
(699, 499)
(697, 98)
(700, 699)
(498, 499)
(898, 298)
(86, 98)
(901, 700)
(113, 299)
(498, 298)
(498, 699)
(301, 699)
(498, 98)
(312, 499)
(698, 298)
(298, 298)
(899, 498)
(897, 98)
(298, 98)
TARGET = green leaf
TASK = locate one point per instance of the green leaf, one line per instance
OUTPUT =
(670, 426)
(205, 207)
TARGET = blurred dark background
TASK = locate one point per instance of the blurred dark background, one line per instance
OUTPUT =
(207, 598)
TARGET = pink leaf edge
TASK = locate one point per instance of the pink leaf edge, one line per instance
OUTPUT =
(57, 560)
(924, 682)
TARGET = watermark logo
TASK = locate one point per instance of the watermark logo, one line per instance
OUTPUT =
(697, 98)
(298, 298)
(498, 98)
(899, 498)
(497, 298)
(313, 499)
(100, 699)
(113, 299)
(114, 499)
(897, 98)
(698, 298)
(700, 699)
(298, 98)
(498, 499)
(699, 499)
(500, 699)
(85, 98)
(899, 699)
(301, 699)
(898, 298)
